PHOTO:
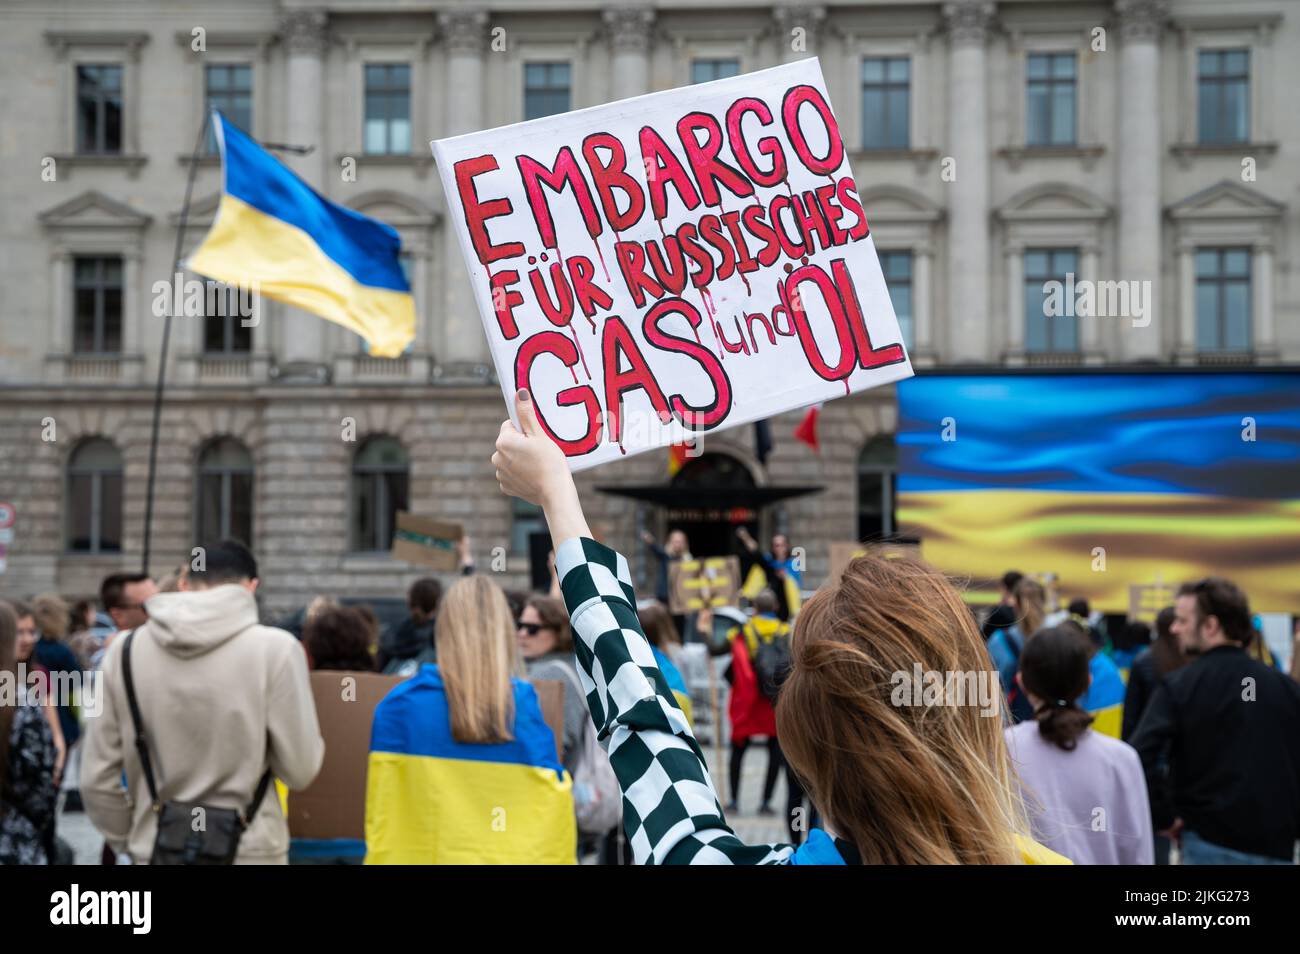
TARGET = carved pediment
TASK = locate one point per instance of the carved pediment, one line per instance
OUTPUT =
(93, 210)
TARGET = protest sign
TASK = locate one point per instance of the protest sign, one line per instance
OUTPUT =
(334, 804)
(843, 553)
(696, 584)
(676, 263)
(429, 542)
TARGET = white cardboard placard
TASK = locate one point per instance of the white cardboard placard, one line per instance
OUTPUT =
(673, 264)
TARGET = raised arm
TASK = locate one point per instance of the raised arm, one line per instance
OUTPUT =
(671, 812)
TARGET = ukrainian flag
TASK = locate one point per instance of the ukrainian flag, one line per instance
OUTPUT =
(273, 233)
(431, 800)
(1105, 696)
(1165, 477)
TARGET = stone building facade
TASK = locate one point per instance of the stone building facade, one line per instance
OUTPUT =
(104, 105)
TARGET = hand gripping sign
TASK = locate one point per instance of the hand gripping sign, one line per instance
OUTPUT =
(675, 263)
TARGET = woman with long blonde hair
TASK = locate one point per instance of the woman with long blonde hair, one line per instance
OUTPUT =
(463, 770)
(1029, 600)
(908, 777)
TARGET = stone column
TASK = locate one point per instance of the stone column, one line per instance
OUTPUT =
(629, 31)
(302, 335)
(1015, 273)
(968, 24)
(1186, 299)
(798, 28)
(60, 328)
(1140, 23)
(137, 333)
(1090, 326)
(922, 336)
(461, 350)
(1263, 342)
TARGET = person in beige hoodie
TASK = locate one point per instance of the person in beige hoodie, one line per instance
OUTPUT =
(222, 699)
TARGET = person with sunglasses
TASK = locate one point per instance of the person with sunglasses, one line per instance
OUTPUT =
(546, 645)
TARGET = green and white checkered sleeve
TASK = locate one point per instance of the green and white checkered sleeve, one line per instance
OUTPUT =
(670, 810)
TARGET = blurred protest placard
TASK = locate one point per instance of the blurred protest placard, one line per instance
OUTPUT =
(427, 541)
(696, 584)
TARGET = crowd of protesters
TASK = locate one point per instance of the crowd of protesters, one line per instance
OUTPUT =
(1135, 746)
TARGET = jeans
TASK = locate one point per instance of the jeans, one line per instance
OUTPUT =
(1198, 851)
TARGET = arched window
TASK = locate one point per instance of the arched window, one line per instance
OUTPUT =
(381, 478)
(877, 487)
(94, 494)
(224, 498)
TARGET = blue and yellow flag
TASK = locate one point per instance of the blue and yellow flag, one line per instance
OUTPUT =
(274, 234)
(431, 800)
(1105, 696)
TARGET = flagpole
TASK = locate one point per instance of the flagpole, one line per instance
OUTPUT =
(166, 341)
(167, 322)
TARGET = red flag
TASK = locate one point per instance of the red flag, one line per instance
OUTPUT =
(677, 457)
(807, 429)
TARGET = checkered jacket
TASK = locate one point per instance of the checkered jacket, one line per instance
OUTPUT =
(671, 812)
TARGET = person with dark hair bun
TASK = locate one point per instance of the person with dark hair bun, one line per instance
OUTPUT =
(1086, 793)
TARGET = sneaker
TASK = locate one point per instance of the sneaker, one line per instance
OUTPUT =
(764, 810)
(732, 808)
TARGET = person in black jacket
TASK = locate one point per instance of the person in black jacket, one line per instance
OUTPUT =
(413, 635)
(1161, 658)
(1220, 739)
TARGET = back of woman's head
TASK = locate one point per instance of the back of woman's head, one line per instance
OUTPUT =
(338, 638)
(1133, 635)
(477, 656)
(52, 615)
(1031, 605)
(657, 624)
(1165, 650)
(905, 783)
(1054, 669)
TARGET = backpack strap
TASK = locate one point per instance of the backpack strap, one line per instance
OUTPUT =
(142, 744)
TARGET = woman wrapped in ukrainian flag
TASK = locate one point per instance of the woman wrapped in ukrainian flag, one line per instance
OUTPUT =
(463, 770)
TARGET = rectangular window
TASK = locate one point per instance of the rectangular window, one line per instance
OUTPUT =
(224, 331)
(525, 520)
(97, 305)
(886, 102)
(1051, 326)
(706, 71)
(99, 109)
(388, 109)
(897, 267)
(1050, 106)
(546, 89)
(1223, 303)
(1223, 96)
(229, 88)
